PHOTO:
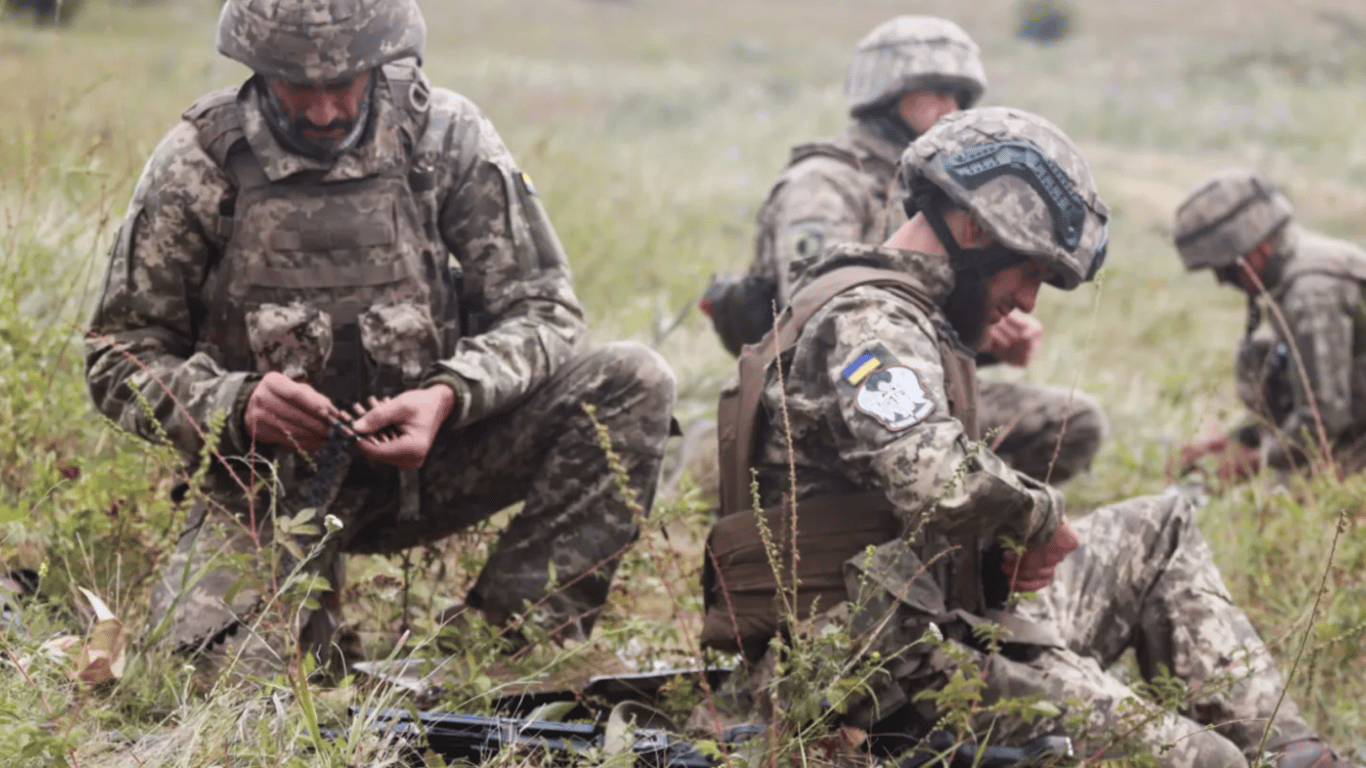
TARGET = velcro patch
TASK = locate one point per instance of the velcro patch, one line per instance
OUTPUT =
(526, 183)
(891, 394)
(806, 238)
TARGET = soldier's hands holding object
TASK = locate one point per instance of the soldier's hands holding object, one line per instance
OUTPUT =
(1033, 570)
(282, 411)
(1014, 339)
(416, 415)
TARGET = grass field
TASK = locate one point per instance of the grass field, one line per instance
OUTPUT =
(652, 129)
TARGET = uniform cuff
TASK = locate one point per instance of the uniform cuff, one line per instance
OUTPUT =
(462, 393)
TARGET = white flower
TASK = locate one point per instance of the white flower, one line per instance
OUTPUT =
(332, 523)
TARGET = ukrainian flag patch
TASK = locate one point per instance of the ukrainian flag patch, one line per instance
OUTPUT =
(857, 371)
(873, 358)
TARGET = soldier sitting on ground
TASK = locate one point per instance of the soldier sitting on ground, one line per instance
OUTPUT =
(858, 415)
(906, 74)
(337, 232)
(1304, 379)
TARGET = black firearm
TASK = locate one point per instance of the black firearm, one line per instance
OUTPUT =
(477, 738)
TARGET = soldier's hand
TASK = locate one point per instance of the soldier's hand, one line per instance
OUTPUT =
(1033, 571)
(1014, 339)
(282, 411)
(416, 415)
(1237, 462)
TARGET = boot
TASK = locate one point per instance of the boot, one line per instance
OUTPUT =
(1309, 753)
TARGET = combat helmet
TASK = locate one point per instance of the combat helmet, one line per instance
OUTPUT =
(307, 41)
(1227, 216)
(913, 53)
(1023, 180)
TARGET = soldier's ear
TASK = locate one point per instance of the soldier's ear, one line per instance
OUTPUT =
(971, 233)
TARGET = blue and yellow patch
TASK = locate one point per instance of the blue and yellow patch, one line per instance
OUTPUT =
(873, 358)
(858, 370)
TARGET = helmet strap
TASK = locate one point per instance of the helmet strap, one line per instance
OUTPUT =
(966, 305)
(885, 120)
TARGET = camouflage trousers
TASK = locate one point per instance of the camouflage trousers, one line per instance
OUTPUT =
(1143, 579)
(1049, 433)
(558, 554)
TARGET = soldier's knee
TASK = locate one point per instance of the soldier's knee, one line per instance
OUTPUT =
(1206, 748)
(636, 384)
(636, 365)
(1083, 434)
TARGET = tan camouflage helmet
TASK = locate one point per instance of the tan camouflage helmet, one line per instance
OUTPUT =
(1227, 216)
(319, 41)
(1023, 180)
(913, 53)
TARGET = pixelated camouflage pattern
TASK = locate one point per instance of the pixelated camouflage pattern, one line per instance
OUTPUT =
(838, 191)
(294, 339)
(1226, 216)
(933, 473)
(1007, 206)
(1317, 284)
(147, 332)
(319, 41)
(913, 53)
(1047, 432)
(156, 369)
(402, 343)
(559, 552)
(1142, 580)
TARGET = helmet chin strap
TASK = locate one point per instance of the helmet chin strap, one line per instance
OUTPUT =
(966, 305)
(289, 133)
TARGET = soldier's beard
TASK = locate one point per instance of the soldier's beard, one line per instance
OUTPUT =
(966, 307)
(291, 134)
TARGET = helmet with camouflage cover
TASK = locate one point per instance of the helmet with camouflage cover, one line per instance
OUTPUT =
(1226, 217)
(913, 53)
(307, 41)
(1022, 179)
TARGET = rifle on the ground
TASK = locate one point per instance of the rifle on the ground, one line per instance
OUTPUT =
(479, 738)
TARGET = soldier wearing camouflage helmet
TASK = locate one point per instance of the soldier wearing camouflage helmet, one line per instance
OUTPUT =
(901, 515)
(1239, 226)
(336, 235)
(905, 74)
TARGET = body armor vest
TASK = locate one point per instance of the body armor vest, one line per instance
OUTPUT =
(829, 529)
(361, 258)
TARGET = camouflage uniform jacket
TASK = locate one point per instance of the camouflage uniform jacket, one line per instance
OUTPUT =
(152, 338)
(836, 191)
(1317, 283)
(844, 440)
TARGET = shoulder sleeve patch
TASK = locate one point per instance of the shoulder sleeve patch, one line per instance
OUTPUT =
(895, 398)
(806, 238)
(885, 389)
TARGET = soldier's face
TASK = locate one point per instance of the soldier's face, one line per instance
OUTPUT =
(323, 113)
(922, 109)
(1014, 288)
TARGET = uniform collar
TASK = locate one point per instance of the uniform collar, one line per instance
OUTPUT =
(932, 272)
(383, 147)
(871, 142)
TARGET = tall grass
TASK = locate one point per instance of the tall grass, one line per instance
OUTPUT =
(652, 130)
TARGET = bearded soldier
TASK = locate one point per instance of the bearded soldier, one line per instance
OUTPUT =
(905, 74)
(1304, 377)
(337, 232)
(858, 415)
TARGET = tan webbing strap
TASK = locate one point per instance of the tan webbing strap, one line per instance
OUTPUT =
(750, 589)
(1340, 264)
(738, 410)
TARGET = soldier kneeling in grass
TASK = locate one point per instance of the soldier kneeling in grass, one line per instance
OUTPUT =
(1303, 378)
(335, 232)
(858, 415)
